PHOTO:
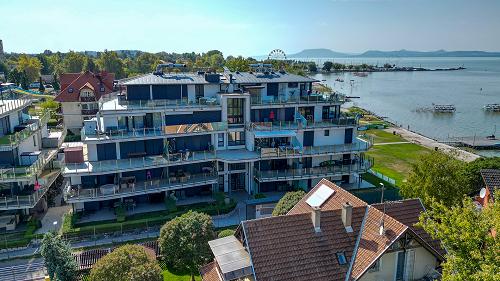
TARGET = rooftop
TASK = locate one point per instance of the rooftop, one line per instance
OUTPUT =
(231, 256)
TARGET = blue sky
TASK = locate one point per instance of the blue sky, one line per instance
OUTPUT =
(255, 27)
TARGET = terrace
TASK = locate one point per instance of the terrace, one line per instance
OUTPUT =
(27, 173)
(343, 121)
(7, 142)
(75, 194)
(315, 98)
(11, 105)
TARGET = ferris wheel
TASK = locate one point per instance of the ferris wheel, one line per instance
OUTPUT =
(276, 54)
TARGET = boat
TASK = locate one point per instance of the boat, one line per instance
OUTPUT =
(360, 74)
(339, 80)
(444, 108)
(494, 107)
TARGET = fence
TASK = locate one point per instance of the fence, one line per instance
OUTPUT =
(382, 177)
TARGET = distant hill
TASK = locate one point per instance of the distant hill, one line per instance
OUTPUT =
(327, 53)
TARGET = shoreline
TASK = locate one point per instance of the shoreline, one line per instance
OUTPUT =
(430, 143)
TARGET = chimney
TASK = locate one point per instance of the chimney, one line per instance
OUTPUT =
(347, 216)
(316, 219)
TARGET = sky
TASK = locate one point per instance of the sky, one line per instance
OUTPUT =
(249, 27)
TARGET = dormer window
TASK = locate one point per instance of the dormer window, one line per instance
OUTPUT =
(70, 90)
(102, 89)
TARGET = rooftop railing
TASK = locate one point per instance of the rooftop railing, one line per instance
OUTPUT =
(74, 194)
(122, 104)
(139, 163)
(306, 99)
(9, 141)
(27, 172)
(343, 121)
(170, 130)
(14, 104)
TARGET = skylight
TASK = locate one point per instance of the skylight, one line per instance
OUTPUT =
(320, 196)
(341, 258)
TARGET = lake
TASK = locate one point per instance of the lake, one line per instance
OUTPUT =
(398, 95)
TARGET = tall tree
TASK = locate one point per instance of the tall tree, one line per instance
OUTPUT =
(327, 65)
(89, 64)
(15, 76)
(41, 88)
(436, 176)
(312, 67)
(109, 61)
(45, 64)
(470, 237)
(58, 259)
(30, 66)
(73, 62)
(287, 202)
(145, 63)
(128, 262)
(237, 64)
(472, 170)
(184, 241)
(4, 68)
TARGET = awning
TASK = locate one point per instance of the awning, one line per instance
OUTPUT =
(275, 134)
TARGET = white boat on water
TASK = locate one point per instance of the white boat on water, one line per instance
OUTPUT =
(495, 107)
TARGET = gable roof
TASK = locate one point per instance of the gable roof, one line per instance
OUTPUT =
(77, 81)
(491, 178)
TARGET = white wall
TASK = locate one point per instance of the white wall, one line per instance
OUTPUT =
(13, 120)
(210, 90)
(92, 151)
(336, 136)
(72, 115)
(29, 145)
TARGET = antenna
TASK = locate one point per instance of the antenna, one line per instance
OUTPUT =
(482, 193)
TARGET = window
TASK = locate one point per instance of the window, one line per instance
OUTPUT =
(293, 85)
(236, 166)
(199, 91)
(375, 266)
(220, 140)
(327, 133)
(341, 258)
(236, 138)
(34, 140)
(70, 90)
(102, 89)
(235, 111)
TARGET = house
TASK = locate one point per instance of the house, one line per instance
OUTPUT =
(329, 235)
(191, 134)
(79, 95)
(491, 182)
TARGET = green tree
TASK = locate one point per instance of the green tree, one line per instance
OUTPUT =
(109, 61)
(145, 63)
(55, 84)
(128, 262)
(89, 65)
(41, 88)
(287, 202)
(30, 66)
(225, 233)
(73, 62)
(58, 259)
(45, 64)
(25, 83)
(436, 176)
(237, 64)
(472, 174)
(312, 67)
(184, 241)
(327, 66)
(4, 68)
(15, 76)
(338, 66)
(470, 238)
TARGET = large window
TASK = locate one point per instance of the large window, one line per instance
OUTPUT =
(235, 111)
(236, 138)
(199, 91)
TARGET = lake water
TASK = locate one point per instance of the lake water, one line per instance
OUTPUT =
(398, 95)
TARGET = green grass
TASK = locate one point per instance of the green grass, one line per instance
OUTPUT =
(395, 160)
(375, 181)
(381, 136)
(171, 276)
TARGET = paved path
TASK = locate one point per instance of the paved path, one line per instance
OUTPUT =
(431, 144)
(53, 214)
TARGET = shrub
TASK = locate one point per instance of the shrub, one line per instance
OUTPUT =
(287, 202)
(225, 233)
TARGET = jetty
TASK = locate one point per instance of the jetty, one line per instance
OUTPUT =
(493, 107)
(479, 143)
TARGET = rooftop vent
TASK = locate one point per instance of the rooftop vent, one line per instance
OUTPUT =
(316, 219)
(347, 216)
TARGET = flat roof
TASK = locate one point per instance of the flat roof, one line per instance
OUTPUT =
(270, 77)
(167, 79)
(230, 254)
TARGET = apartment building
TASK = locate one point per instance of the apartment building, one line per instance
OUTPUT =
(193, 134)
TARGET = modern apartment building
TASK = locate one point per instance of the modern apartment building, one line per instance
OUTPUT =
(27, 153)
(79, 95)
(193, 134)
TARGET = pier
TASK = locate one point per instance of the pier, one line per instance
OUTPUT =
(479, 143)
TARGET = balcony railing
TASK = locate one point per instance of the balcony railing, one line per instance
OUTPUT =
(10, 141)
(307, 99)
(171, 130)
(113, 102)
(28, 172)
(343, 121)
(285, 152)
(315, 172)
(15, 104)
(87, 99)
(90, 111)
(106, 192)
(28, 201)
(131, 164)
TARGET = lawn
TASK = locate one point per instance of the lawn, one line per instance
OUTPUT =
(381, 136)
(170, 276)
(395, 160)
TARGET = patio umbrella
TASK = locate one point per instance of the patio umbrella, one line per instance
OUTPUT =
(37, 185)
(271, 115)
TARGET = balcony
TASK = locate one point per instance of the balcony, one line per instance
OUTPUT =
(8, 142)
(343, 121)
(15, 202)
(172, 130)
(27, 173)
(291, 152)
(131, 164)
(90, 111)
(332, 98)
(111, 191)
(87, 99)
(315, 172)
(8, 106)
(114, 103)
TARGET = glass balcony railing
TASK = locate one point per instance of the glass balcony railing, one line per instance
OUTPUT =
(28, 172)
(114, 102)
(138, 163)
(292, 151)
(74, 194)
(342, 121)
(305, 99)
(356, 166)
(171, 130)
(9, 141)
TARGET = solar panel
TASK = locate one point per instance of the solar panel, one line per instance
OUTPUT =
(320, 196)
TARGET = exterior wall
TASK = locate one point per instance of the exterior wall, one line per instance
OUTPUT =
(72, 114)
(14, 120)
(424, 260)
(92, 151)
(33, 143)
(336, 136)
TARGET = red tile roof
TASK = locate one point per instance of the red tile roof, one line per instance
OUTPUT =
(77, 81)
(210, 273)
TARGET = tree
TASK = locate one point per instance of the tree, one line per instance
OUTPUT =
(184, 241)
(73, 62)
(55, 84)
(327, 66)
(41, 88)
(470, 237)
(25, 84)
(4, 68)
(109, 61)
(15, 76)
(45, 64)
(472, 174)
(225, 233)
(312, 67)
(58, 259)
(30, 66)
(128, 262)
(287, 202)
(89, 65)
(145, 63)
(237, 64)
(338, 66)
